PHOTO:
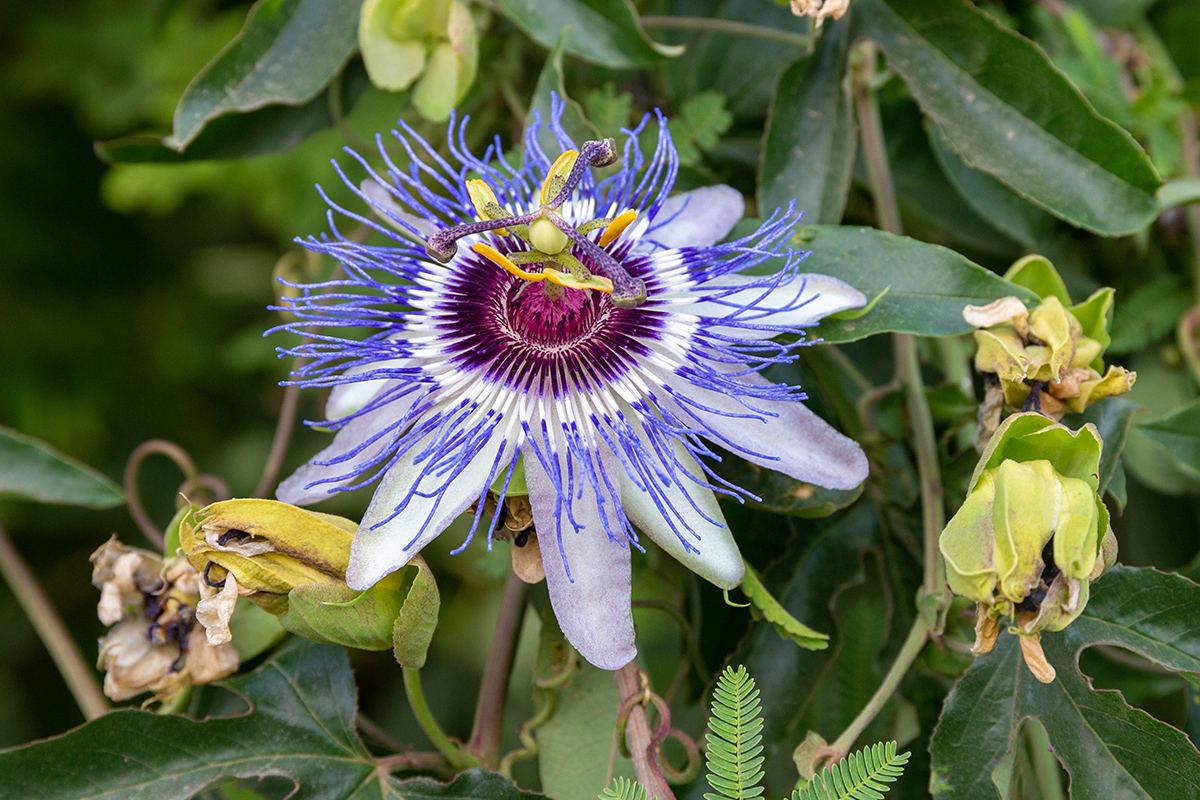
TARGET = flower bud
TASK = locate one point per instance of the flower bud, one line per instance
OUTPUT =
(1033, 532)
(260, 549)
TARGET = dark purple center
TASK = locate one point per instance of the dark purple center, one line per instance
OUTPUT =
(550, 316)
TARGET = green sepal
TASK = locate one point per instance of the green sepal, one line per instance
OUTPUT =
(333, 614)
(1095, 317)
(763, 605)
(1023, 517)
(414, 627)
(968, 541)
(1076, 534)
(1037, 274)
(1032, 437)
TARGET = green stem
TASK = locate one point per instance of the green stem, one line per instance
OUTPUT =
(730, 27)
(917, 635)
(458, 760)
(908, 365)
(1191, 165)
(80, 677)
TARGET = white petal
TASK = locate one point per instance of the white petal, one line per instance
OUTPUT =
(699, 218)
(592, 604)
(802, 300)
(377, 551)
(295, 489)
(795, 441)
(714, 554)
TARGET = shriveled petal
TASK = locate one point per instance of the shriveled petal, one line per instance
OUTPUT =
(588, 575)
(699, 218)
(302, 487)
(710, 551)
(799, 301)
(794, 441)
(386, 540)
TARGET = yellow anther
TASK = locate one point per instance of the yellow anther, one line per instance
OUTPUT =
(617, 227)
(495, 256)
(596, 282)
(556, 177)
(482, 197)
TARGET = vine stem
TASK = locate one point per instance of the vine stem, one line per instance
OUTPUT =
(484, 743)
(134, 500)
(458, 760)
(918, 634)
(730, 27)
(1190, 139)
(283, 438)
(908, 364)
(50, 629)
(639, 736)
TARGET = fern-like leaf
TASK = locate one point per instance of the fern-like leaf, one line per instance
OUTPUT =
(734, 758)
(864, 775)
(624, 789)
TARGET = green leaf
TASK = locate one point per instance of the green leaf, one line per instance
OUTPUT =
(609, 110)
(1179, 431)
(708, 63)
(1149, 314)
(30, 469)
(575, 743)
(299, 724)
(928, 285)
(1003, 208)
(1113, 419)
(286, 54)
(267, 130)
(734, 758)
(698, 125)
(604, 32)
(1179, 192)
(624, 789)
(764, 606)
(1112, 751)
(1009, 112)
(857, 775)
(810, 142)
(550, 82)
(1115, 13)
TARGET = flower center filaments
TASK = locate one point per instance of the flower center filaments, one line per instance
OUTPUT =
(550, 238)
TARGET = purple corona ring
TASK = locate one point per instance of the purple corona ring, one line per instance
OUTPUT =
(576, 335)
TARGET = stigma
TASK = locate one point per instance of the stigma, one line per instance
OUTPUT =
(550, 239)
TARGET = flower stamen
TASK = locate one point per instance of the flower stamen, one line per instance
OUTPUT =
(617, 227)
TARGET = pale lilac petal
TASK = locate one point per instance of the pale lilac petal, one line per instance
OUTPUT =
(592, 602)
(794, 441)
(801, 301)
(381, 547)
(712, 554)
(699, 218)
(299, 488)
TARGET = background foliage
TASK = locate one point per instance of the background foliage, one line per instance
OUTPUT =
(158, 157)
